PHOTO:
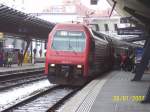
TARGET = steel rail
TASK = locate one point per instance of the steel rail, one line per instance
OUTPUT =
(38, 95)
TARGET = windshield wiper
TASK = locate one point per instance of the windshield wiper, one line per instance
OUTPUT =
(72, 49)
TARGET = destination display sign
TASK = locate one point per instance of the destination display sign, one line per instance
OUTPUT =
(69, 33)
(125, 20)
(130, 31)
(128, 20)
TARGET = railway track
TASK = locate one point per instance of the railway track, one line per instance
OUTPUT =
(21, 79)
(47, 100)
(8, 76)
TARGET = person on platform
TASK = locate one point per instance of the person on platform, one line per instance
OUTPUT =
(128, 64)
(1, 58)
(123, 57)
(6, 59)
(34, 56)
(20, 58)
(40, 52)
(9, 60)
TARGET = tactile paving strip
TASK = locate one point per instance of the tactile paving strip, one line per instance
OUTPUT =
(83, 100)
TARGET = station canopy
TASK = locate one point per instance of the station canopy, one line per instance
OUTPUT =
(16, 22)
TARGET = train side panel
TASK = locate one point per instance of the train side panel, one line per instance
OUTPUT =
(101, 61)
(100, 55)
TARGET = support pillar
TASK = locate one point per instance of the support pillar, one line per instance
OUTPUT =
(144, 62)
(147, 97)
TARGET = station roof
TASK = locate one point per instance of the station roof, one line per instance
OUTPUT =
(136, 8)
(17, 22)
(139, 9)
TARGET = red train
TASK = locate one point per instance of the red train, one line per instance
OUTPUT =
(75, 55)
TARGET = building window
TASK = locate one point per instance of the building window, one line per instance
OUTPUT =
(115, 27)
(97, 27)
(106, 27)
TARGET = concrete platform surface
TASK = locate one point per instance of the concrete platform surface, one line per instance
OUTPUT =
(24, 67)
(113, 93)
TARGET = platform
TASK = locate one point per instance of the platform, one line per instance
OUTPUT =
(24, 67)
(101, 95)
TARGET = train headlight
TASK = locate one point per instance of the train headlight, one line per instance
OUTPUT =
(79, 66)
(52, 65)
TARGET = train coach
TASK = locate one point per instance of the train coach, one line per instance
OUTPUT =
(75, 55)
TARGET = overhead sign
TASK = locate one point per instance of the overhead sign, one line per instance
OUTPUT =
(125, 20)
(128, 20)
(130, 31)
(138, 55)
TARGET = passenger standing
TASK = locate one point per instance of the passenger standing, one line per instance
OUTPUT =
(127, 63)
(9, 59)
(1, 58)
(40, 52)
(123, 59)
(45, 54)
(34, 57)
(21, 58)
(132, 61)
(6, 59)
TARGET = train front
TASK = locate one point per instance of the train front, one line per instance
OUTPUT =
(66, 57)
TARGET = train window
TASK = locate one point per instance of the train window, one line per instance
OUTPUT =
(68, 41)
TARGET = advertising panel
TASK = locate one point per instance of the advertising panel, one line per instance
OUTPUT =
(138, 55)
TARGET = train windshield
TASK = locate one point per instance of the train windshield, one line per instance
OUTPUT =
(69, 41)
